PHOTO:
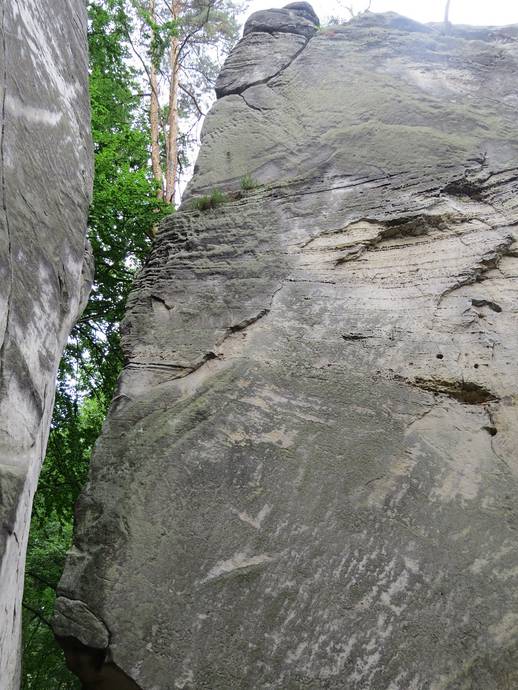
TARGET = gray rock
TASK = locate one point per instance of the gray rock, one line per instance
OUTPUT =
(305, 10)
(45, 268)
(257, 58)
(308, 477)
(293, 19)
(80, 623)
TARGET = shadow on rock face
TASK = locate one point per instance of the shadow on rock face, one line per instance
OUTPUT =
(90, 666)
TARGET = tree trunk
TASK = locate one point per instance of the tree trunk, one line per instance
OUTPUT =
(172, 121)
(447, 12)
(154, 122)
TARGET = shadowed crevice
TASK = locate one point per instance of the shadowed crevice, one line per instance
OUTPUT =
(466, 392)
(92, 668)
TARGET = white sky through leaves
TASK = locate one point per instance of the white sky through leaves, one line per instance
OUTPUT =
(485, 12)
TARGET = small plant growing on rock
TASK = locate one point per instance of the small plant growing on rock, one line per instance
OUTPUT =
(247, 182)
(209, 201)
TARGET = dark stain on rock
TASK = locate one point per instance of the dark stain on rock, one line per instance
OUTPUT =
(466, 392)
(487, 303)
(464, 188)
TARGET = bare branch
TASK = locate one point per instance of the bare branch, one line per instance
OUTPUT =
(37, 614)
(350, 9)
(193, 98)
(41, 580)
(146, 69)
(191, 35)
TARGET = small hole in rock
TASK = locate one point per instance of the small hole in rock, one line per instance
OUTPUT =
(491, 430)
(439, 356)
(475, 366)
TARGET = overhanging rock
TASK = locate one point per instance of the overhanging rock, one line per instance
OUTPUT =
(308, 476)
(45, 267)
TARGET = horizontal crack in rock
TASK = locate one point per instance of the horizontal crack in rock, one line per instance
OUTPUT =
(402, 227)
(466, 392)
(356, 336)
(476, 274)
(464, 187)
(248, 322)
(487, 303)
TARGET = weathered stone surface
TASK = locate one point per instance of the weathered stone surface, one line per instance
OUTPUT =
(81, 624)
(308, 477)
(368, 94)
(297, 18)
(257, 58)
(272, 39)
(45, 270)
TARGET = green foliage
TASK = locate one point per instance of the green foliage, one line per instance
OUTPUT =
(206, 31)
(158, 34)
(209, 201)
(124, 212)
(43, 662)
(247, 182)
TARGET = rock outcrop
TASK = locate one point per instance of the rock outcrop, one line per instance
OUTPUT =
(45, 267)
(308, 476)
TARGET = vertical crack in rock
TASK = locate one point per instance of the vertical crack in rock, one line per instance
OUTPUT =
(239, 91)
(272, 40)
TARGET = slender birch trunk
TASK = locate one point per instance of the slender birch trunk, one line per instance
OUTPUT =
(172, 121)
(447, 12)
(154, 121)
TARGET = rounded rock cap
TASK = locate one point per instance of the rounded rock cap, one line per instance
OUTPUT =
(296, 18)
(305, 10)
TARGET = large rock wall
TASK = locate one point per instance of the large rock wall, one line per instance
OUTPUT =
(45, 270)
(308, 476)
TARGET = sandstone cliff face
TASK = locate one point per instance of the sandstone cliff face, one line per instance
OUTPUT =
(308, 477)
(45, 272)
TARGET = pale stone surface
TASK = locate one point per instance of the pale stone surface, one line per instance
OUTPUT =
(45, 269)
(308, 477)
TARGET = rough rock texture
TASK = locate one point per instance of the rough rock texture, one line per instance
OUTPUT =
(45, 269)
(308, 477)
(257, 58)
(296, 18)
(271, 40)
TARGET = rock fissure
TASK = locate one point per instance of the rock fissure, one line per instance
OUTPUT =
(467, 392)
(71, 615)
(378, 232)
(216, 354)
(477, 273)
(486, 303)
(249, 105)
(93, 667)
(240, 91)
